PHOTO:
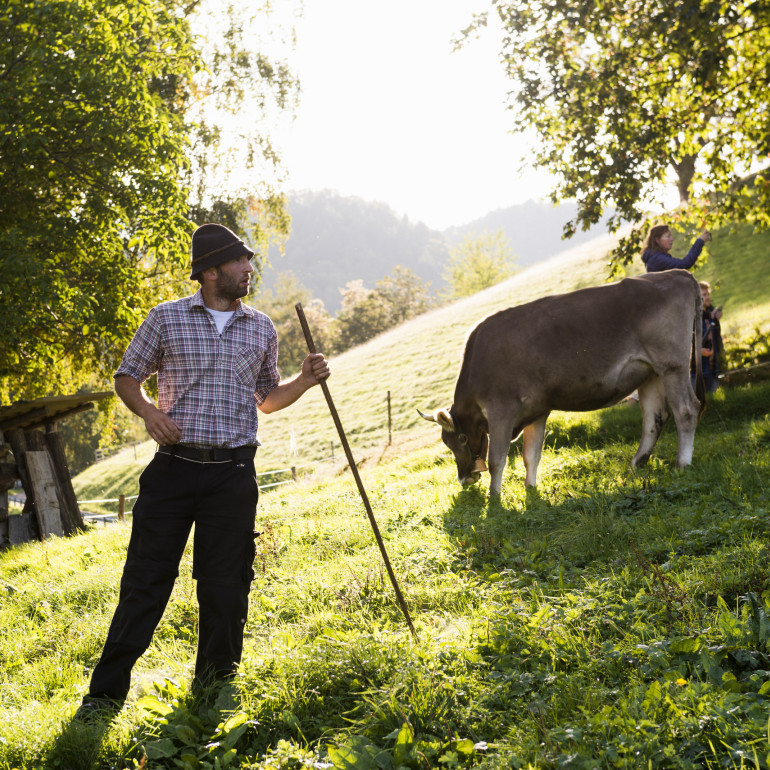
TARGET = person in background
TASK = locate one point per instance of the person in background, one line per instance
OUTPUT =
(712, 339)
(657, 245)
(215, 358)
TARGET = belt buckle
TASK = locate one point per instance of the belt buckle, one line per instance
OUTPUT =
(207, 455)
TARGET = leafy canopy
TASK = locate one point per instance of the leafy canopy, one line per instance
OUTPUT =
(477, 262)
(100, 111)
(365, 313)
(626, 96)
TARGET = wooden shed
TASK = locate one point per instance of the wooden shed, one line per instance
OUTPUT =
(31, 451)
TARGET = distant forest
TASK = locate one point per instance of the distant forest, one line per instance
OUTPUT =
(336, 239)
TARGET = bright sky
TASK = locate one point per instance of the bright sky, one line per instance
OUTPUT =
(389, 113)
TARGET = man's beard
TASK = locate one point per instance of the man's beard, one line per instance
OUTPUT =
(229, 288)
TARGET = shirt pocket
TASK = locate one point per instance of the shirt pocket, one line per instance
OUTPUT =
(248, 363)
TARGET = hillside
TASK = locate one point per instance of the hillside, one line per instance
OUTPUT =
(335, 239)
(609, 618)
(418, 362)
(533, 229)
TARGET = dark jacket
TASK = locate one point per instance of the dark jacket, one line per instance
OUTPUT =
(712, 339)
(657, 261)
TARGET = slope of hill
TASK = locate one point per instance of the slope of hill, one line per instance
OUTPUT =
(336, 239)
(418, 362)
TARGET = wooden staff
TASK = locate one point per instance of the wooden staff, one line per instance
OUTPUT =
(354, 469)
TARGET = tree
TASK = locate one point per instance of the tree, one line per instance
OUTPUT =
(279, 303)
(405, 294)
(365, 313)
(477, 262)
(362, 316)
(625, 96)
(100, 110)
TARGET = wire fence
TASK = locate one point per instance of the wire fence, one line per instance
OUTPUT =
(121, 500)
(293, 471)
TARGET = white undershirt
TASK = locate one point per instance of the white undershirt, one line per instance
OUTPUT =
(221, 317)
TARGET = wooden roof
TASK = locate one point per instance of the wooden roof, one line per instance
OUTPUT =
(39, 411)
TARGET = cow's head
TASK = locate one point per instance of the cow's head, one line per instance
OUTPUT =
(469, 448)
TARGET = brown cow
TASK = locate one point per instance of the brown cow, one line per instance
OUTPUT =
(577, 352)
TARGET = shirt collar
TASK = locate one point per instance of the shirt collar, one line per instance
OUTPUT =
(197, 301)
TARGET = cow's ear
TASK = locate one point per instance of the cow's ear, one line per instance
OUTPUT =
(444, 419)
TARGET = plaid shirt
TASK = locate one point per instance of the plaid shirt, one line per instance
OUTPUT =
(210, 385)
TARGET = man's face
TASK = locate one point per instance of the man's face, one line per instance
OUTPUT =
(233, 278)
(706, 297)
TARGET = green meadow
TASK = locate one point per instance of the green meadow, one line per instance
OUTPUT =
(611, 618)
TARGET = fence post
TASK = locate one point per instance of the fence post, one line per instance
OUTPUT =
(293, 473)
(121, 507)
(390, 423)
(332, 445)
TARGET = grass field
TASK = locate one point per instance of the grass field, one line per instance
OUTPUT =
(612, 618)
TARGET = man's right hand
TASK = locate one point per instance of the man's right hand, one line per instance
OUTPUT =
(160, 426)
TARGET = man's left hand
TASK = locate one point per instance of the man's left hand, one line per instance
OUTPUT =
(315, 368)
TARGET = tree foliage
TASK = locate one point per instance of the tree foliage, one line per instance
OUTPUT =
(365, 313)
(279, 303)
(99, 115)
(477, 262)
(625, 96)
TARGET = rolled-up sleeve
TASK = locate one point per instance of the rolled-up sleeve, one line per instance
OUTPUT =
(144, 352)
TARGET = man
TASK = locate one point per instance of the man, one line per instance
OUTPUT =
(216, 364)
(712, 338)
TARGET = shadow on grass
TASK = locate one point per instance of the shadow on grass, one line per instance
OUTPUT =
(595, 507)
(166, 728)
(79, 746)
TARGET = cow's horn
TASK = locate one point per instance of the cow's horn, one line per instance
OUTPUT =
(429, 417)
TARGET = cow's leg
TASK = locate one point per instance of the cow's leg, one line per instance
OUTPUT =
(532, 449)
(652, 400)
(686, 408)
(500, 432)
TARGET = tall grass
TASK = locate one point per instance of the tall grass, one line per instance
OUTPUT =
(610, 618)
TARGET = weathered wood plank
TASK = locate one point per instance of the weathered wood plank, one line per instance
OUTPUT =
(20, 528)
(72, 518)
(45, 488)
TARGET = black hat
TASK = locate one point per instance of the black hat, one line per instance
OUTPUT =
(214, 244)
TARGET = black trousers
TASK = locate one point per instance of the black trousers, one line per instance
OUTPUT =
(220, 499)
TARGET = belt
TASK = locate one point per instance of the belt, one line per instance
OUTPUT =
(208, 454)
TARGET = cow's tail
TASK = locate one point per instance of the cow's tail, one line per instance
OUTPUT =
(697, 345)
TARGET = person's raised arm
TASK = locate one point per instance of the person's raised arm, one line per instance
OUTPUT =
(315, 368)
